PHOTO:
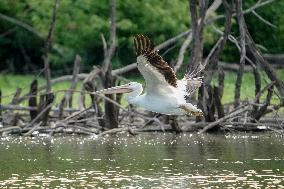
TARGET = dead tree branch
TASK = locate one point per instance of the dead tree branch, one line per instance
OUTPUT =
(249, 10)
(266, 67)
(21, 24)
(68, 94)
(182, 51)
(262, 110)
(39, 116)
(263, 20)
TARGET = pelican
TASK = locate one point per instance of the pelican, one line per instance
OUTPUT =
(163, 92)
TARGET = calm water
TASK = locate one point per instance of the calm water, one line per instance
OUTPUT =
(144, 161)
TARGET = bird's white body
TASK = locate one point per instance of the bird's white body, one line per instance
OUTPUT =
(159, 104)
(165, 100)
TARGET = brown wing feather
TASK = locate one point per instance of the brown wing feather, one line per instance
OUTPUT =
(144, 46)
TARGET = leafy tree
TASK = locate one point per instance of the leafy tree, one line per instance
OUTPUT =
(81, 23)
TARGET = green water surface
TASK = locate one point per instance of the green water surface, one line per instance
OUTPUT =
(153, 160)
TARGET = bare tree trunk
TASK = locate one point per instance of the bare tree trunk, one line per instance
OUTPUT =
(48, 43)
(218, 93)
(32, 99)
(48, 98)
(217, 101)
(111, 117)
(257, 81)
(197, 25)
(242, 30)
(221, 79)
(44, 107)
(1, 119)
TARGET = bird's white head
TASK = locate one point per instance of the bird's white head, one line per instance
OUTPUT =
(133, 89)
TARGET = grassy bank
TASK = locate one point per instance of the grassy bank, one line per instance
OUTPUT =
(9, 83)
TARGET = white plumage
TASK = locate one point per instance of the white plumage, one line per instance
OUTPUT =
(163, 93)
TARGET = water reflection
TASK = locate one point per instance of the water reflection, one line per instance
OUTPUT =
(148, 160)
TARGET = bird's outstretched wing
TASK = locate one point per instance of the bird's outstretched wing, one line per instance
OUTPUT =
(189, 84)
(154, 69)
(191, 81)
(192, 84)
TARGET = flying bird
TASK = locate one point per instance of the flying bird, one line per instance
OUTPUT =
(163, 92)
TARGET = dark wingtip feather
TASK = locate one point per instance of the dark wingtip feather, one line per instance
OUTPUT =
(144, 46)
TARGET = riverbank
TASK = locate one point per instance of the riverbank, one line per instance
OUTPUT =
(9, 83)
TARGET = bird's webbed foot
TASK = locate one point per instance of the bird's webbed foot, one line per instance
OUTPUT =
(197, 113)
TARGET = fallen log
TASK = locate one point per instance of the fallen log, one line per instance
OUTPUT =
(277, 59)
(34, 128)
(28, 108)
(236, 112)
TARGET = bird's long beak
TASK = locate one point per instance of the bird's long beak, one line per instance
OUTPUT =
(117, 89)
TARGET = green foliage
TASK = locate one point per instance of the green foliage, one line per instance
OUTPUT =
(80, 24)
(269, 37)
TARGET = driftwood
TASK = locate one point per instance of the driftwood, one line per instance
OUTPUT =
(40, 115)
(230, 115)
(30, 108)
(35, 127)
(116, 130)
